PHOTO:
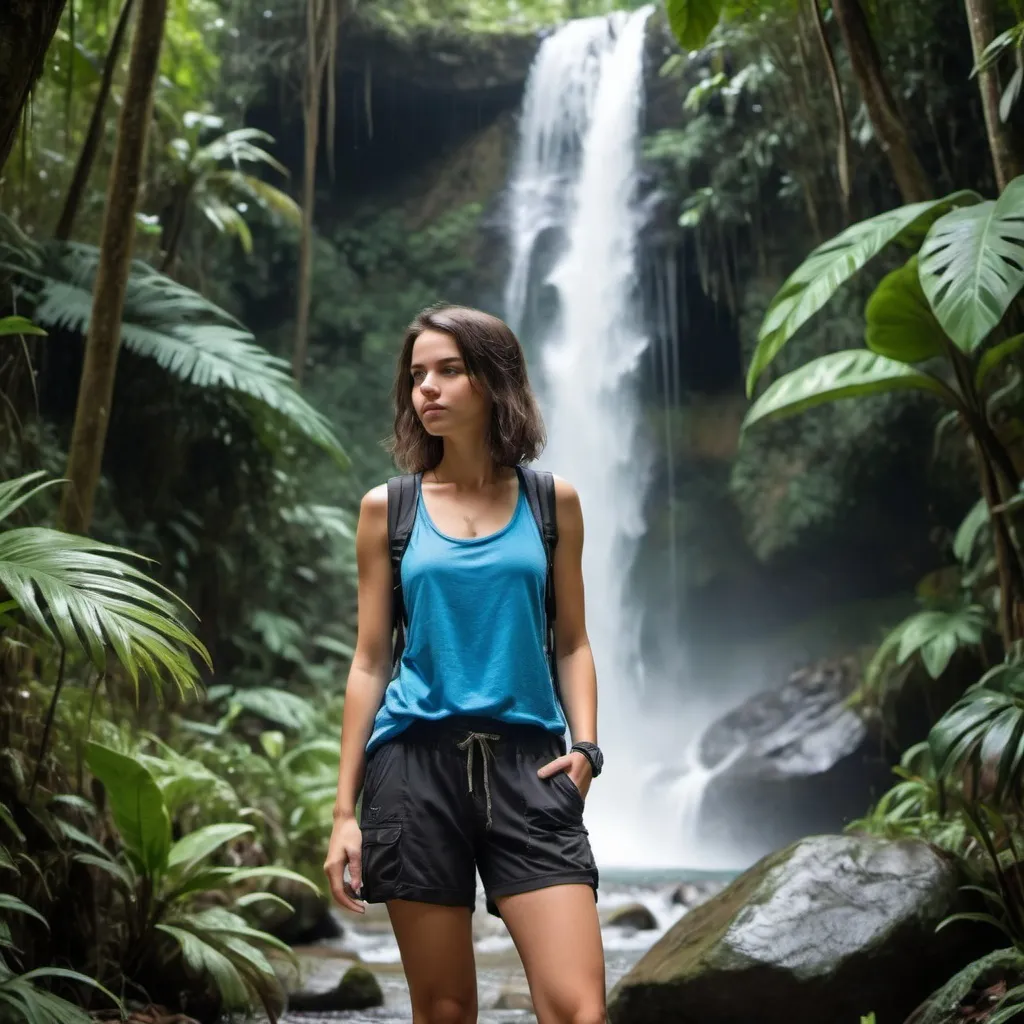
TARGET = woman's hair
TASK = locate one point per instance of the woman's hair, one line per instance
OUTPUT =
(494, 357)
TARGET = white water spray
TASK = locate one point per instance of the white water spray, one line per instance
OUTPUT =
(573, 292)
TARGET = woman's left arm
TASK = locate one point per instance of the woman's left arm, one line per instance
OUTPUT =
(577, 677)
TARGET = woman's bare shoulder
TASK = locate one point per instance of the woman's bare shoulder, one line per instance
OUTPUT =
(567, 499)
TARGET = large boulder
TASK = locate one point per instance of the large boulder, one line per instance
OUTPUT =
(790, 762)
(826, 930)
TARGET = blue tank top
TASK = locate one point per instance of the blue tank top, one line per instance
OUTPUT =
(476, 626)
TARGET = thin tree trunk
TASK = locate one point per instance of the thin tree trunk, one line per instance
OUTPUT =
(1006, 151)
(843, 127)
(26, 29)
(889, 124)
(96, 389)
(322, 21)
(94, 135)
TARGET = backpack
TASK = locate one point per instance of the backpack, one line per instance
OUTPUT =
(402, 500)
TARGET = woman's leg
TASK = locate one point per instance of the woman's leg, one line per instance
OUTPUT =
(436, 944)
(558, 935)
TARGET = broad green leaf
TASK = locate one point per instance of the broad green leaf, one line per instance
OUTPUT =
(19, 325)
(832, 264)
(972, 266)
(189, 851)
(692, 21)
(900, 323)
(11, 904)
(838, 375)
(994, 356)
(137, 805)
(209, 962)
(936, 635)
(264, 897)
(967, 533)
(111, 867)
(270, 871)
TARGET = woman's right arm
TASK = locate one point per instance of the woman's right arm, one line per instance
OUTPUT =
(367, 679)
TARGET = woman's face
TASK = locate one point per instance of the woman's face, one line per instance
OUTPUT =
(446, 399)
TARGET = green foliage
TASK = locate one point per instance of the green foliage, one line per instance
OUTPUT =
(22, 997)
(209, 177)
(829, 266)
(86, 594)
(900, 323)
(972, 266)
(188, 336)
(166, 881)
(18, 325)
(985, 731)
(833, 376)
(692, 21)
(914, 807)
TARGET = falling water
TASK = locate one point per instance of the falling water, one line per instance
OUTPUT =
(573, 294)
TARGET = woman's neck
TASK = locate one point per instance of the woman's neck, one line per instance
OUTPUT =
(469, 466)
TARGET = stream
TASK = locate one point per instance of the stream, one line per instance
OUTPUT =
(370, 941)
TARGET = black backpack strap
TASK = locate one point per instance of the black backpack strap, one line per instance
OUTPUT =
(403, 495)
(540, 493)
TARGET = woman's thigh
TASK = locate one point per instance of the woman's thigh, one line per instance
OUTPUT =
(436, 943)
(558, 936)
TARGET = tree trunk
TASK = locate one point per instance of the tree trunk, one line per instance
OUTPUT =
(843, 125)
(889, 125)
(1006, 151)
(26, 29)
(322, 22)
(96, 389)
(95, 133)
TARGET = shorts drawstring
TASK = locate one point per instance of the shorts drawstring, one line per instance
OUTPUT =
(483, 741)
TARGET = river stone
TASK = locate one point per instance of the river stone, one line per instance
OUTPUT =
(514, 999)
(633, 915)
(827, 929)
(974, 992)
(357, 990)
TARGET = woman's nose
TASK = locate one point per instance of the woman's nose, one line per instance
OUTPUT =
(428, 387)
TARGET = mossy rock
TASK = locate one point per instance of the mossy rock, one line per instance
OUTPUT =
(357, 990)
(827, 929)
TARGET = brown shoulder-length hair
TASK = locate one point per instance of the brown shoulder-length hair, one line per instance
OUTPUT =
(494, 357)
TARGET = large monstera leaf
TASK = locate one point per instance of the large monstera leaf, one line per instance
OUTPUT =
(692, 21)
(972, 266)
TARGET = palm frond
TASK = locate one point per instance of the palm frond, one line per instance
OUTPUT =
(187, 335)
(88, 594)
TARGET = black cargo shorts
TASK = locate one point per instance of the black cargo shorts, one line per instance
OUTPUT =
(445, 799)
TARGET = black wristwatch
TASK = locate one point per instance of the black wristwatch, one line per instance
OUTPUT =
(592, 752)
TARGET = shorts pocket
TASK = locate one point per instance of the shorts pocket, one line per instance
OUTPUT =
(563, 779)
(381, 861)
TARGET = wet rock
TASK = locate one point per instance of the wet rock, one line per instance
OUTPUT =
(974, 992)
(692, 894)
(789, 762)
(633, 915)
(513, 999)
(357, 990)
(313, 919)
(802, 729)
(828, 929)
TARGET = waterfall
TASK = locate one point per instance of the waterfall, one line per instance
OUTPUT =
(573, 296)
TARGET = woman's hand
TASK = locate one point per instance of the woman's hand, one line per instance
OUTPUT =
(346, 848)
(575, 765)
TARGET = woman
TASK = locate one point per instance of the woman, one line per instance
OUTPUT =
(461, 756)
